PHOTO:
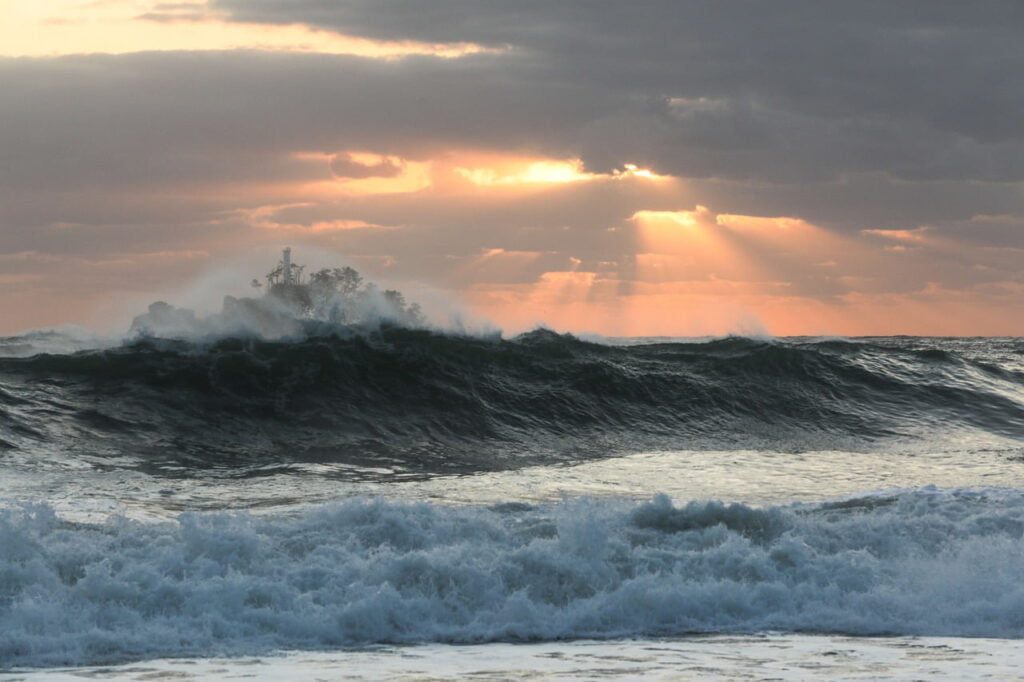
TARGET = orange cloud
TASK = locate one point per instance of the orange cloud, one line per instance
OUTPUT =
(916, 236)
(31, 28)
(361, 172)
(497, 264)
(525, 171)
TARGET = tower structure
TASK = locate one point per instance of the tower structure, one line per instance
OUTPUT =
(286, 267)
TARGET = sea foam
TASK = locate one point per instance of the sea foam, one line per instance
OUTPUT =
(371, 571)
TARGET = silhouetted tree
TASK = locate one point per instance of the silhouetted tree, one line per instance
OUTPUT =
(341, 295)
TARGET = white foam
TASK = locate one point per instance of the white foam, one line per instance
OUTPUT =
(925, 562)
(708, 657)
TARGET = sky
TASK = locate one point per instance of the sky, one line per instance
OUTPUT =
(653, 167)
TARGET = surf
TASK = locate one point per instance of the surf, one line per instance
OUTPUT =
(368, 571)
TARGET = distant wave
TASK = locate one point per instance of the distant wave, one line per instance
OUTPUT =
(427, 402)
(924, 562)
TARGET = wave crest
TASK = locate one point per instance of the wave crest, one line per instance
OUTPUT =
(427, 401)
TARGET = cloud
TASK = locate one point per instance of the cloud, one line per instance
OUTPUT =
(917, 235)
(350, 165)
(860, 122)
(922, 89)
(75, 27)
(203, 121)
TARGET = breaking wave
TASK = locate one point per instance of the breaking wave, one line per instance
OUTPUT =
(427, 402)
(924, 562)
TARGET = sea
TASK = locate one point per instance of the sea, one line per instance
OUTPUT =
(396, 503)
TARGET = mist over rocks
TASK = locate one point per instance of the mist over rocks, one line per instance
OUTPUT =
(339, 298)
(239, 317)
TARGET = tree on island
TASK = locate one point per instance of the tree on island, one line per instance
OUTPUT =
(343, 281)
(343, 296)
(335, 295)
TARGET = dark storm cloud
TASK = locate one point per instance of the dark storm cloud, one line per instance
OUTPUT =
(194, 117)
(777, 92)
(103, 126)
(147, 140)
(139, 152)
(925, 89)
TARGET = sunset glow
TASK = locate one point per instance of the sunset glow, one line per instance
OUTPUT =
(588, 194)
(520, 172)
(63, 27)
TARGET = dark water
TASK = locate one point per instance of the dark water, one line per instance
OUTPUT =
(422, 402)
(246, 497)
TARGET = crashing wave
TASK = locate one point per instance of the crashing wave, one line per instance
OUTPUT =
(291, 306)
(427, 402)
(365, 572)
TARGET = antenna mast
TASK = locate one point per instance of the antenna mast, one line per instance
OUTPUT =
(287, 263)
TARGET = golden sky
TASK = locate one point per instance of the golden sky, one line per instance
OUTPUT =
(528, 166)
(49, 28)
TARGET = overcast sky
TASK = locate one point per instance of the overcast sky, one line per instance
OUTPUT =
(646, 167)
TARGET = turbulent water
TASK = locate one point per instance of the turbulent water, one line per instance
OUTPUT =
(424, 402)
(243, 496)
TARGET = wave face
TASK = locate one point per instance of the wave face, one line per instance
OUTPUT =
(364, 572)
(423, 402)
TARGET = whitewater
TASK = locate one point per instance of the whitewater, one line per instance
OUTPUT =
(408, 502)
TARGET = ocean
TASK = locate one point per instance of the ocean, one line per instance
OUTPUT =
(400, 503)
